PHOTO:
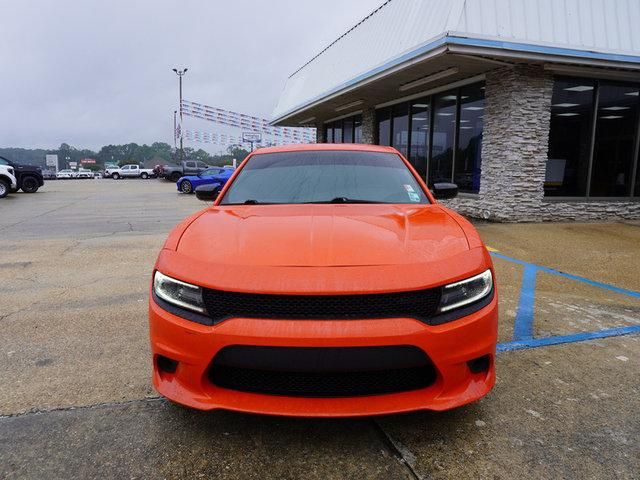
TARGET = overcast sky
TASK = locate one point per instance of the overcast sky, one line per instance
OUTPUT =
(91, 72)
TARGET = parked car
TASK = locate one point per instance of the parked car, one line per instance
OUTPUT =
(325, 280)
(65, 174)
(8, 181)
(84, 173)
(213, 175)
(188, 167)
(29, 177)
(97, 175)
(49, 174)
(131, 171)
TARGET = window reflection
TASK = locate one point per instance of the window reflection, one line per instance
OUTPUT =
(420, 124)
(573, 146)
(401, 128)
(347, 130)
(569, 138)
(467, 168)
(357, 129)
(384, 126)
(615, 141)
(444, 122)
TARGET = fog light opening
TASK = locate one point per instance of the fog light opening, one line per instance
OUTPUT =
(166, 364)
(480, 364)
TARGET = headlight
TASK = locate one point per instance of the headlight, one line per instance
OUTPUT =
(178, 293)
(464, 292)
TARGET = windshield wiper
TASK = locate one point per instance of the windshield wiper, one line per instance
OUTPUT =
(346, 200)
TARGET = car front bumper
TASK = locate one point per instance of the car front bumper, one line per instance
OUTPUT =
(449, 346)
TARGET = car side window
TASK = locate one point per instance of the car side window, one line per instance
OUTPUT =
(191, 164)
(3, 162)
(202, 165)
(134, 167)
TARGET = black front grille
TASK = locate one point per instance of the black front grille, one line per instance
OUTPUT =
(419, 304)
(322, 372)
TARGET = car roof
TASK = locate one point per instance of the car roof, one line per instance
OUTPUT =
(310, 147)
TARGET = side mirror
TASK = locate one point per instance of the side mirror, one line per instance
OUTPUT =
(442, 191)
(208, 193)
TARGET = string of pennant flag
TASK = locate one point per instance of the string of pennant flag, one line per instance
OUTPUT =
(248, 123)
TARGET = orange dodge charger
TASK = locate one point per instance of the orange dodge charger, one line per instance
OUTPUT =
(325, 280)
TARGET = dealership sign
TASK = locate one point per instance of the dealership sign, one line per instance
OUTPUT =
(251, 137)
(86, 161)
(51, 161)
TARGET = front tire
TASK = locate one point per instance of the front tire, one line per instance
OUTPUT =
(4, 188)
(186, 187)
(30, 185)
(115, 176)
(175, 176)
(144, 175)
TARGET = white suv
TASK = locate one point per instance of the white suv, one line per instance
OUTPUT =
(8, 180)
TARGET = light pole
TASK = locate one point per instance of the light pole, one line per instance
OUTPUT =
(180, 73)
(175, 133)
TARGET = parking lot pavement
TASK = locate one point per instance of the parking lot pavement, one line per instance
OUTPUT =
(75, 264)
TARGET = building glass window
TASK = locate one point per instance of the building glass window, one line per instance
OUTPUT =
(427, 130)
(444, 127)
(467, 162)
(329, 134)
(614, 148)
(347, 130)
(592, 162)
(636, 190)
(357, 129)
(384, 126)
(420, 125)
(400, 128)
(337, 131)
(570, 138)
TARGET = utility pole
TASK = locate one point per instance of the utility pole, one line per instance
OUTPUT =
(180, 73)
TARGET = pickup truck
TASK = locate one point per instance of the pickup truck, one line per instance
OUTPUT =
(185, 168)
(129, 171)
(8, 181)
(29, 177)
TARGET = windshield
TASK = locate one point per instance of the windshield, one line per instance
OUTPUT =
(325, 176)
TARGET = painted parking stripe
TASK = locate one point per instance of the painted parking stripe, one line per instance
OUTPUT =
(523, 337)
(606, 286)
(523, 326)
(560, 339)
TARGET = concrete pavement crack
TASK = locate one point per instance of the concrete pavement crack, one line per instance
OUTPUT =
(36, 411)
(398, 451)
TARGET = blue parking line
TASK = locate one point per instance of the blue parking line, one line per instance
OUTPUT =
(523, 337)
(575, 337)
(523, 326)
(606, 286)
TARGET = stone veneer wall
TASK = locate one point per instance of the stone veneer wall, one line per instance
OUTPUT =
(514, 154)
(369, 125)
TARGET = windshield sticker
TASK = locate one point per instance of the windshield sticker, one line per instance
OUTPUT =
(413, 196)
(408, 188)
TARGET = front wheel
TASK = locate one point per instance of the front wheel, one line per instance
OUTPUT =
(30, 185)
(4, 188)
(175, 176)
(115, 176)
(186, 187)
(144, 175)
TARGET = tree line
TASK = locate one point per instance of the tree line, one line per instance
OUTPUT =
(147, 155)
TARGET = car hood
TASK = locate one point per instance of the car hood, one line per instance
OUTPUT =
(322, 235)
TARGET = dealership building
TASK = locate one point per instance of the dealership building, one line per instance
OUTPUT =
(531, 107)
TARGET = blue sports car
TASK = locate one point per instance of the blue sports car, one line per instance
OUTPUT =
(212, 175)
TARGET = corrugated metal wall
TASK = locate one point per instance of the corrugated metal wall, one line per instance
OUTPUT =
(606, 26)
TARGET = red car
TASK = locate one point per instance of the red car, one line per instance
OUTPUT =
(325, 280)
